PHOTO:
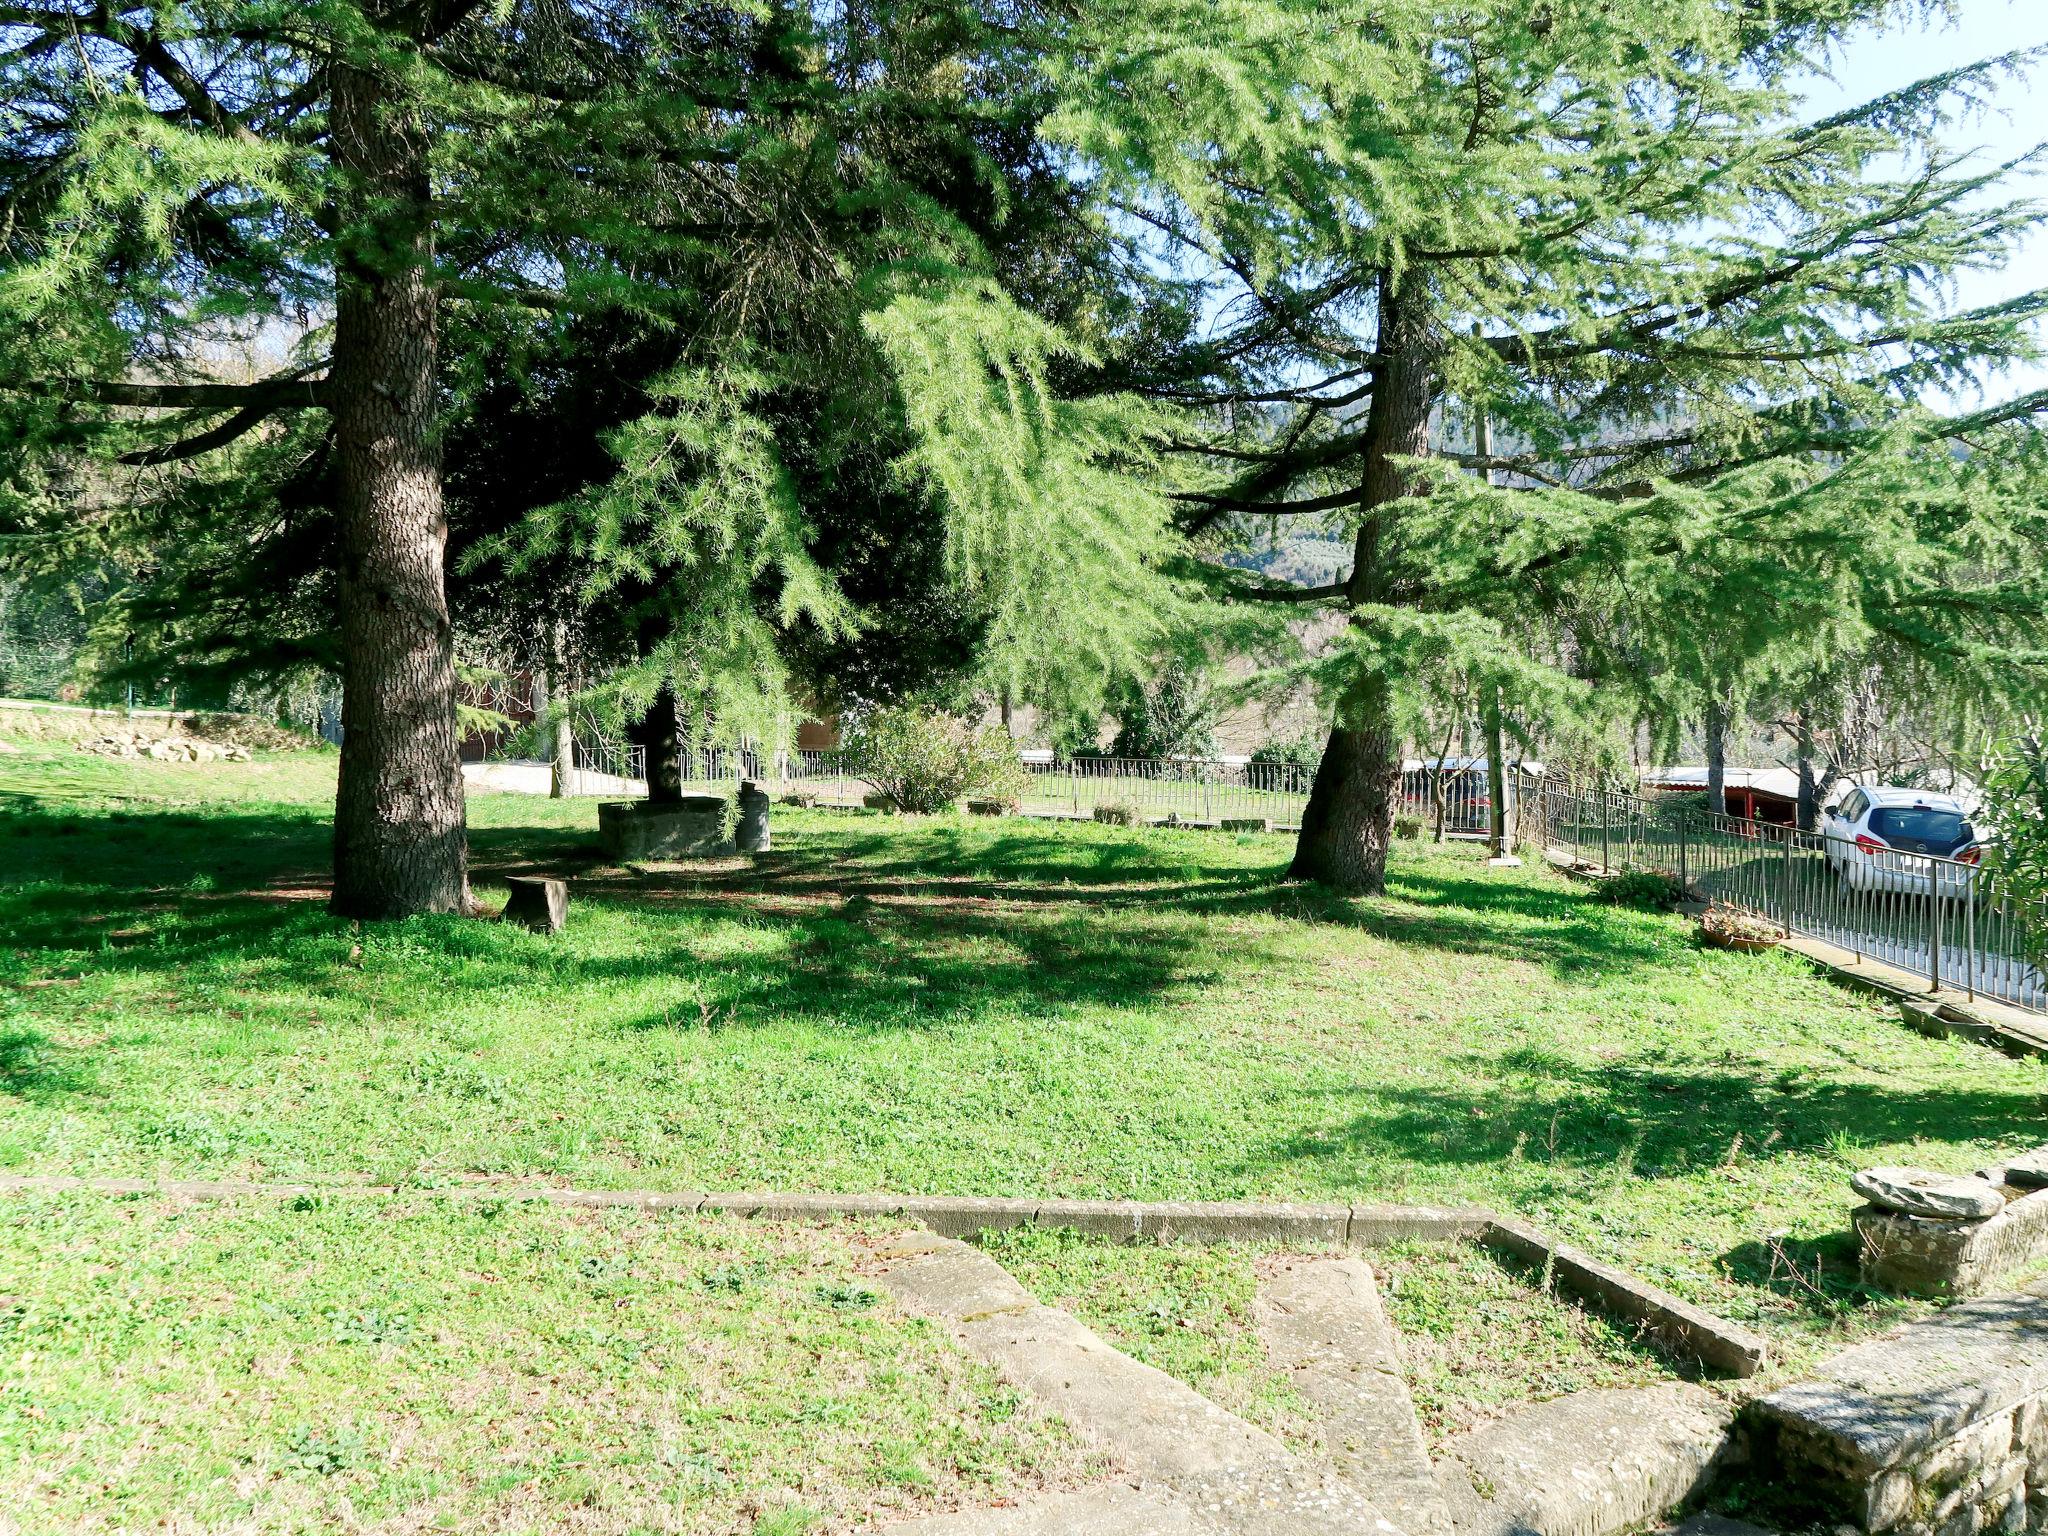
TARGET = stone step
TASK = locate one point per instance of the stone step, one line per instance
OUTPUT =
(1590, 1464)
(1322, 1323)
(1093, 1512)
(1225, 1476)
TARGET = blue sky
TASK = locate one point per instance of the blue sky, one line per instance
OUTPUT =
(1874, 63)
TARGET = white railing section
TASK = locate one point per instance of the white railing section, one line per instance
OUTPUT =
(1937, 918)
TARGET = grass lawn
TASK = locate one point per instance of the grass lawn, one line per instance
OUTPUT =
(422, 1365)
(943, 1006)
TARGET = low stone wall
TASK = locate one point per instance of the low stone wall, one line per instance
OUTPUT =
(1938, 1429)
(1921, 1256)
(690, 828)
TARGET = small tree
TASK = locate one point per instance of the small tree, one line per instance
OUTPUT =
(2015, 814)
(1172, 716)
(926, 762)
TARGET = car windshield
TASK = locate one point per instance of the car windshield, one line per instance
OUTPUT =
(1920, 825)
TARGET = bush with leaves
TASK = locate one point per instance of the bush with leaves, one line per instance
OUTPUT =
(1171, 717)
(1649, 890)
(1303, 751)
(2014, 819)
(925, 761)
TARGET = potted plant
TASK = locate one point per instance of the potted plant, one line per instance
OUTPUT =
(1726, 928)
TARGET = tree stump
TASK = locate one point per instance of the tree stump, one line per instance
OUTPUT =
(537, 902)
(751, 836)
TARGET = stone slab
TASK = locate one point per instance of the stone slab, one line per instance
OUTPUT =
(1157, 1426)
(1092, 1512)
(1322, 1323)
(1923, 1192)
(1877, 1405)
(692, 827)
(1590, 1464)
(1375, 1226)
(1683, 1327)
(1199, 1221)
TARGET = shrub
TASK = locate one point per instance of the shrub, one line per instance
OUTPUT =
(1726, 923)
(1173, 716)
(1304, 751)
(1409, 826)
(1651, 890)
(924, 761)
(1115, 814)
(1671, 808)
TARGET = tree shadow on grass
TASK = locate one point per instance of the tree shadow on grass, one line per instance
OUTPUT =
(35, 1068)
(882, 923)
(1642, 1121)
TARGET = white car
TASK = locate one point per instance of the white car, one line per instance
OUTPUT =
(1885, 839)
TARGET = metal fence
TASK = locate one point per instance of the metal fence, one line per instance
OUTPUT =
(1934, 917)
(1186, 789)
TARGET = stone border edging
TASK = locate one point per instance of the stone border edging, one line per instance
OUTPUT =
(1678, 1324)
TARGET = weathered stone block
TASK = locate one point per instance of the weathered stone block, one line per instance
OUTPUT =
(537, 902)
(1925, 1429)
(751, 833)
(1246, 824)
(1919, 1256)
(690, 828)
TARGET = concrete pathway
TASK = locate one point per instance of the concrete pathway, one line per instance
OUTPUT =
(1594, 1464)
(1322, 1323)
(1190, 1465)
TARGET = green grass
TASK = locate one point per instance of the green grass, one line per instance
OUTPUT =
(1185, 1310)
(429, 1365)
(942, 1006)
(1479, 1339)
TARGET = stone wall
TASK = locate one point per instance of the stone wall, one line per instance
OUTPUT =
(689, 828)
(1921, 1256)
(1938, 1429)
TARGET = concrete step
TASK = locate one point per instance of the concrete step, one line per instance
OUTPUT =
(1322, 1323)
(1222, 1475)
(1591, 1464)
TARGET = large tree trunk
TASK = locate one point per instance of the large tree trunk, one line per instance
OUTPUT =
(660, 733)
(1349, 821)
(1350, 816)
(1716, 733)
(399, 840)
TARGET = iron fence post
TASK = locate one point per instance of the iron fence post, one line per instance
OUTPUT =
(1684, 880)
(1934, 930)
(1970, 934)
(1785, 886)
(1606, 868)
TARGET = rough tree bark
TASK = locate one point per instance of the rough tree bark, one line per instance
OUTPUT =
(1349, 821)
(1809, 784)
(1716, 733)
(660, 733)
(399, 841)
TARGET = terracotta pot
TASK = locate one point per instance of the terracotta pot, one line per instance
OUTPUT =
(1713, 938)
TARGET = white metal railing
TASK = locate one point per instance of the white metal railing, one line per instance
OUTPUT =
(1936, 918)
(1190, 789)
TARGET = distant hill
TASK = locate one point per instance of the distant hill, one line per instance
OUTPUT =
(1305, 558)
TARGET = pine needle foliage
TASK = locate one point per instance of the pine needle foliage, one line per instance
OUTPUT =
(1628, 380)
